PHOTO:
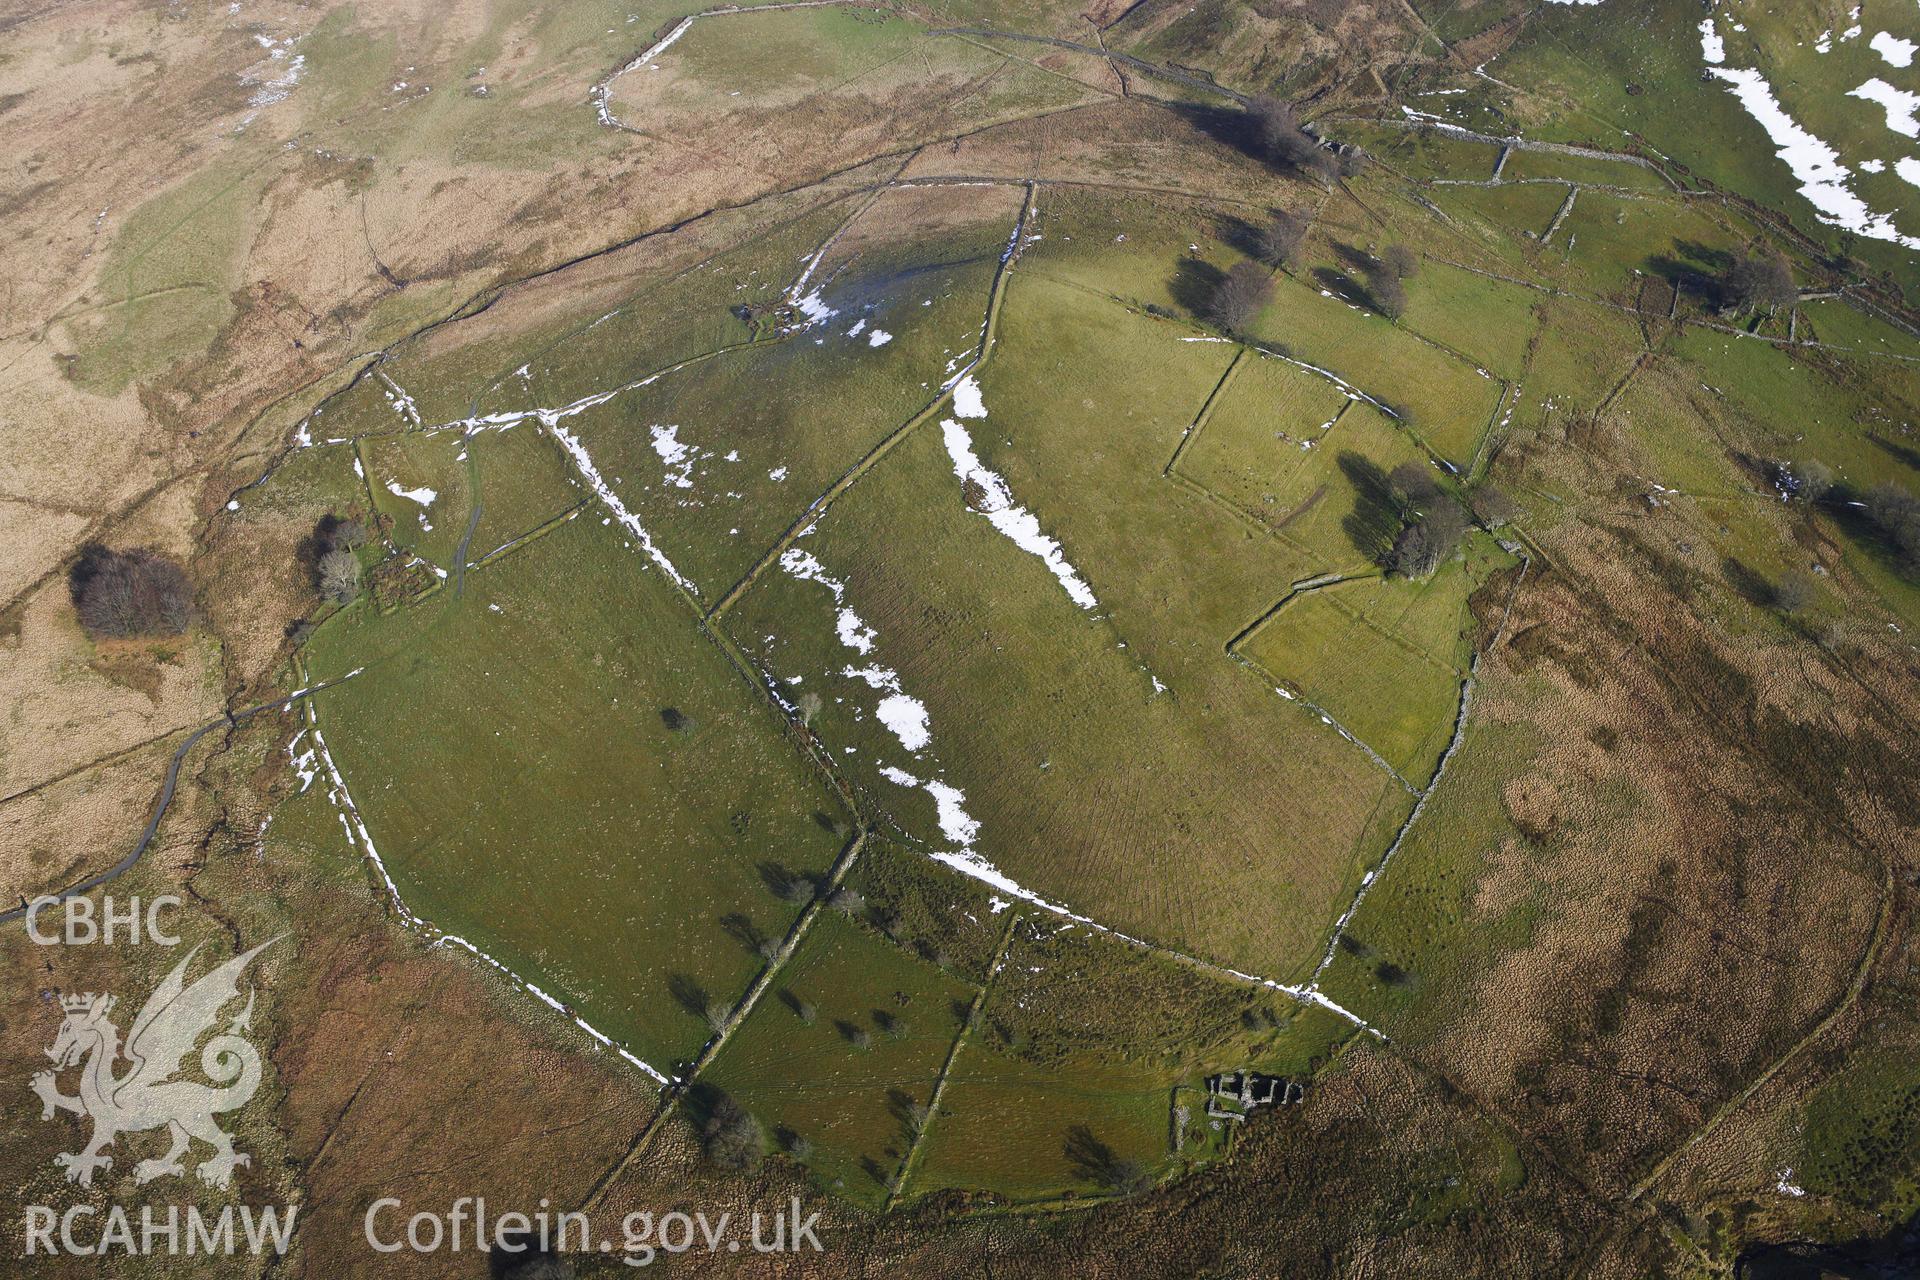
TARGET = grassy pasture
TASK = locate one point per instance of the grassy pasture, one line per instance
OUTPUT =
(417, 462)
(1383, 656)
(1443, 399)
(1005, 1125)
(1488, 319)
(1504, 213)
(367, 407)
(1321, 500)
(597, 323)
(556, 765)
(1775, 392)
(1582, 353)
(1085, 1043)
(1459, 22)
(1832, 320)
(1859, 1134)
(590, 352)
(1144, 252)
(1422, 928)
(937, 914)
(852, 1102)
(1089, 785)
(717, 480)
(521, 481)
(1606, 238)
(1583, 171)
(853, 81)
(1645, 77)
(169, 276)
(1423, 153)
(1799, 406)
(315, 480)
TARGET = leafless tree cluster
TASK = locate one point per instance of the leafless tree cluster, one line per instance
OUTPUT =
(1278, 134)
(336, 569)
(120, 594)
(1432, 522)
(1757, 281)
(730, 1136)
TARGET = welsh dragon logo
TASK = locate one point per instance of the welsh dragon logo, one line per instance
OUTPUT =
(146, 1095)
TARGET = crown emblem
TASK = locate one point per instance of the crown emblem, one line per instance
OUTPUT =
(81, 1003)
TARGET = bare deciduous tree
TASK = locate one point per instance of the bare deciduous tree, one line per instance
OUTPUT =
(1413, 487)
(1424, 545)
(1402, 262)
(339, 574)
(1388, 294)
(1278, 134)
(1759, 280)
(730, 1136)
(1240, 296)
(1277, 242)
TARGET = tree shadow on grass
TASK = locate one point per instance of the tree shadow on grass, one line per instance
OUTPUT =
(1356, 289)
(1693, 268)
(1224, 125)
(1374, 521)
(1096, 1162)
(1237, 234)
(1895, 450)
(1357, 260)
(743, 930)
(688, 994)
(1747, 584)
(1194, 284)
(908, 1112)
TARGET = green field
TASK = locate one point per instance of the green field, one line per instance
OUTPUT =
(843, 1053)
(1442, 398)
(1327, 502)
(1385, 657)
(1026, 692)
(1053, 1094)
(1095, 643)
(577, 781)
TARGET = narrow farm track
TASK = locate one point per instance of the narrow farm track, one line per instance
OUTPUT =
(231, 720)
